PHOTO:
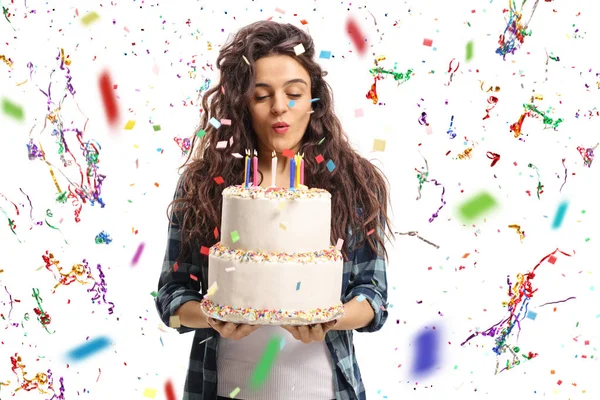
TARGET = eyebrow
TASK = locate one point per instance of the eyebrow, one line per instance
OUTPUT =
(297, 80)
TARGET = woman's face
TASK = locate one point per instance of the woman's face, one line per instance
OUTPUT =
(280, 80)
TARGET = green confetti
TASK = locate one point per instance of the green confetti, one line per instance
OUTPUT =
(235, 236)
(476, 206)
(263, 368)
(201, 133)
(12, 109)
(156, 128)
(89, 18)
(469, 50)
(154, 294)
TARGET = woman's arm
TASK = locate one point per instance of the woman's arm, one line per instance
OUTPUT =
(191, 315)
(358, 313)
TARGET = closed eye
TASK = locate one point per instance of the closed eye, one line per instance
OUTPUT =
(260, 98)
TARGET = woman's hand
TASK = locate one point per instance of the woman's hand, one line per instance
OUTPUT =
(229, 330)
(310, 333)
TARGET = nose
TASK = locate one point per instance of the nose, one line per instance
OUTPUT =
(280, 104)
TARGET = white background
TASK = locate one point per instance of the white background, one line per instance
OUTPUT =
(157, 61)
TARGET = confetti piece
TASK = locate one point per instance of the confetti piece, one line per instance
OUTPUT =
(214, 122)
(246, 60)
(129, 125)
(169, 391)
(282, 226)
(212, 289)
(225, 121)
(138, 254)
(427, 42)
(204, 250)
(222, 144)
(174, 321)
(299, 49)
(298, 286)
(282, 205)
(319, 159)
(219, 180)
(292, 103)
(279, 10)
(339, 244)
(469, 51)
(360, 298)
(476, 206)
(11, 109)
(356, 36)
(288, 153)
(359, 113)
(230, 269)
(150, 393)
(201, 133)
(531, 315)
(560, 215)
(326, 54)
(330, 165)
(426, 352)
(263, 367)
(237, 155)
(378, 145)
(90, 18)
(108, 98)
(235, 236)
(156, 128)
(88, 349)
(234, 392)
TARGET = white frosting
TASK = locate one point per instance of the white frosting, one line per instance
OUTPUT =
(273, 285)
(297, 226)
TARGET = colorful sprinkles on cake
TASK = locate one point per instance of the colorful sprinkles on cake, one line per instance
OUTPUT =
(331, 254)
(275, 193)
(274, 317)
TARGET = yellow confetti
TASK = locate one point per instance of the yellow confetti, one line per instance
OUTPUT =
(282, 226)
(89, 18)
(282, 205)
(129, 125)
(234, 392)
(379, 145)
(150, 393)
(212, 289)
(174, 321)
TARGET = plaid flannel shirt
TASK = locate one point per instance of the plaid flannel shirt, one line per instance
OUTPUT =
(364, 274)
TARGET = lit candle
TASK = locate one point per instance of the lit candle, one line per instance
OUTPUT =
(292, 173)
(246, 169)
(302, 170)
(255, 166)
(273, 168)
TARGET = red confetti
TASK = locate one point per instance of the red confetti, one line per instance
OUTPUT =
(108, 98)
(169, 391)
(204, 250)
(216, 232)
(370, 232)
(288, 153)
(219, 180)
(194, 277)
(176, 267)
(357, 37)
(319, 159)
(552, 259)
(427, 42)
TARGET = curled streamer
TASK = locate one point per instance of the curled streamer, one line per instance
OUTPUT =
(493, 100)
(494, 157)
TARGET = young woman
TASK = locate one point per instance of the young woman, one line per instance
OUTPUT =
(265, 89)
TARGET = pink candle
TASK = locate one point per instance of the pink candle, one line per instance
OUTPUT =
(255, 165)
(302, 170)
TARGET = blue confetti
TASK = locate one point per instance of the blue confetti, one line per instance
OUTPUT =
(330, 165)
(426, 352)
(360, 298)
(292, 103)
(325, 54)
(214, 122)
(89, 348)
(560, 215)
(298, 286)
(531, 315)
(103, 237)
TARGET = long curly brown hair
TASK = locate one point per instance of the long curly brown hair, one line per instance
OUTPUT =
(354, 182)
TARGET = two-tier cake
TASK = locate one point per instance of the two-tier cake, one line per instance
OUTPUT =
(275, 264)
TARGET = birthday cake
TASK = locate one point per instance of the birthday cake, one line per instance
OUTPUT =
(274, 264)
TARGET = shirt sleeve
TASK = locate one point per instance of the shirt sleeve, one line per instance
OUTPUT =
(368, 280)
(178, 285)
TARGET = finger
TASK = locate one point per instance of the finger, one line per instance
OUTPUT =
(293, 330)
(316, 333)
(244, 330)
(304, 333)
(227, 329)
